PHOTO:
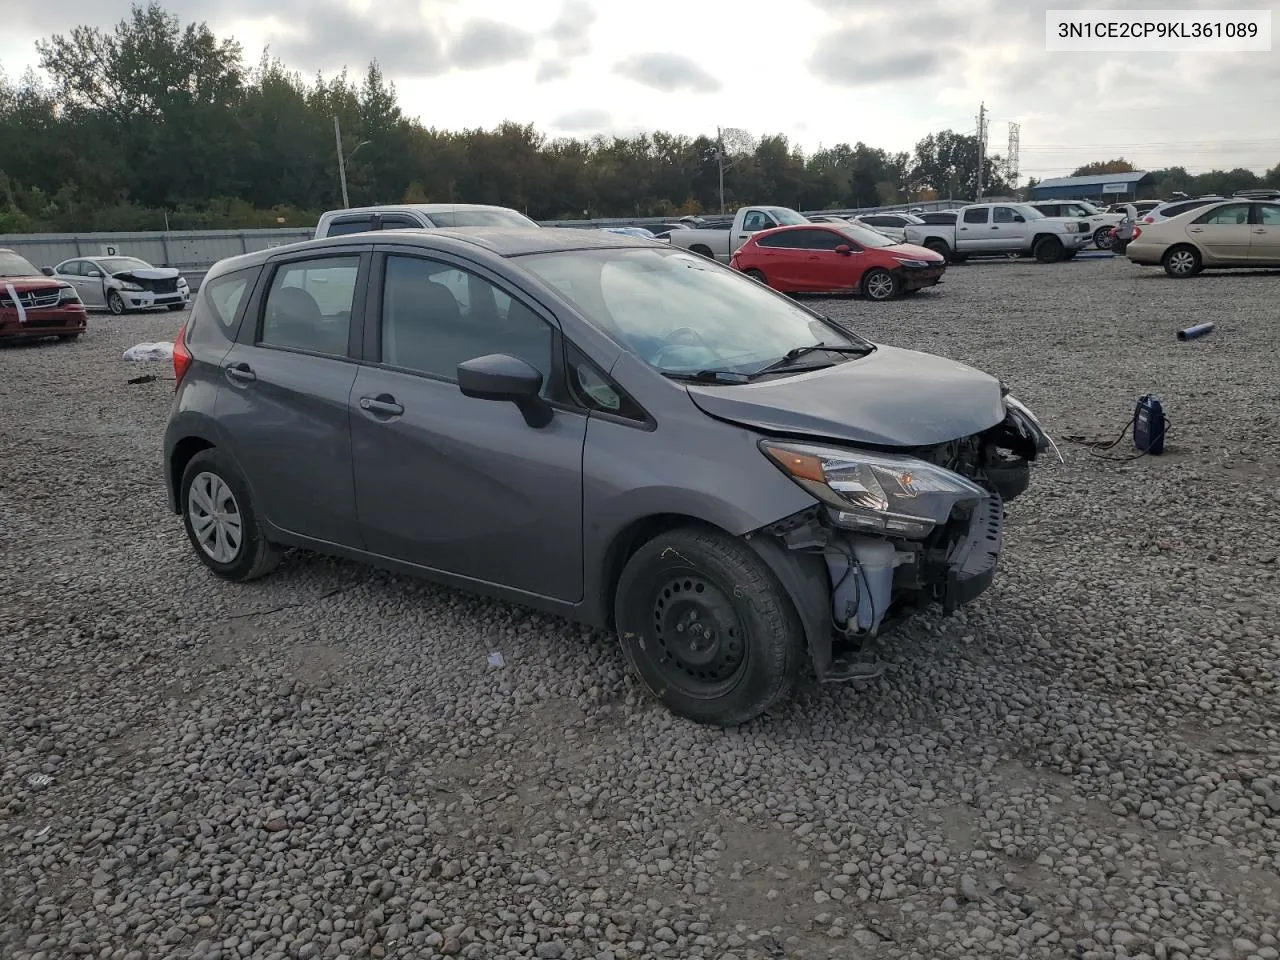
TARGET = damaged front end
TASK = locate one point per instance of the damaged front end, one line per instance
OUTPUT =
(894, 533)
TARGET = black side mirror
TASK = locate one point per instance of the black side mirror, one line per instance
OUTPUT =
(500, 376)
(47, 271)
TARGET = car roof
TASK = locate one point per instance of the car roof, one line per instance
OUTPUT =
(499, 241)
(427, 208)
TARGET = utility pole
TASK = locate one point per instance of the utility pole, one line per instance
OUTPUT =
(720, 165)
(1014, 134)
(342, 166)
(982, 145)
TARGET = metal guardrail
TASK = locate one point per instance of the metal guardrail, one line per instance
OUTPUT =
(194, 251)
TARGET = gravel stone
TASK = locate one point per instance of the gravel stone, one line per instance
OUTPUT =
(1081, 763)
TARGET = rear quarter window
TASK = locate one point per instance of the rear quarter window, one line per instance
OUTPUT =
(219, 305)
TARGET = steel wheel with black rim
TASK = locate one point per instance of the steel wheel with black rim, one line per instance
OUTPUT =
(707, 627)
(115, 302)
(880, 284)
(220, 522)
(1182, 261)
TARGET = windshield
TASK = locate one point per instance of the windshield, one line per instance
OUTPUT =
(682, 313)
(120, 264)
(480, 218)
(787, 218)
(866, 236)
(12, 265)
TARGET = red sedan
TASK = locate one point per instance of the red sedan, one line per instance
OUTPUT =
(837, 258)
(32, 305)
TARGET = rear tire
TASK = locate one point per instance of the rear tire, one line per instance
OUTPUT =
(68, 336)
(1048, 250)
(702, 251)
(880, 284)
(1181, 261)
(220, 520)
(940, 247)
(707, 627)
(756, 275)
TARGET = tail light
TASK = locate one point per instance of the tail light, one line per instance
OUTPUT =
(1137, 232)
(1148, 219)
(181, 356)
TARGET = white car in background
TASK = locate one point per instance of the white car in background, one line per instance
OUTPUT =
(1101, 224)
(1176, 208)
(121, 284)
(892, 225)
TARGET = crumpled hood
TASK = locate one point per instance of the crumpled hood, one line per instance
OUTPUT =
(152, 273)
(891, 398)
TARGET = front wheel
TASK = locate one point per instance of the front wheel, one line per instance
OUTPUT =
(175, 307)
(707, 627)
(1049, 250)
(220, 520)
(880, 284)
(1102, 238)
(68, 336)
(115, 303)
(1181, 262)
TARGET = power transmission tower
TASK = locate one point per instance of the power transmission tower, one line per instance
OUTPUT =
(982, 145)
(1012, 162)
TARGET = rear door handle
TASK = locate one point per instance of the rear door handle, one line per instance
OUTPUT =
(240, 372)
(1259, 231)
(383, 405)
(995, 228)
(1196, 230)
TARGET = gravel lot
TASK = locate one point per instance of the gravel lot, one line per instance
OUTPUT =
(323, 764)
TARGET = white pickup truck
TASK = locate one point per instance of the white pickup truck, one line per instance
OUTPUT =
(1100, 222)
(1003, 229)
(721, 242)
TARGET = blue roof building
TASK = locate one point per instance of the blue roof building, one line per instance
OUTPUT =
(1111, 187)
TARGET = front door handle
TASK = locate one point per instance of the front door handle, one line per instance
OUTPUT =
(383, 405)
(1259, 231)
(241, 373)
(995, 228)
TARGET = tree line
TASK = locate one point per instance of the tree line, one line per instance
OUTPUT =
(160, 125)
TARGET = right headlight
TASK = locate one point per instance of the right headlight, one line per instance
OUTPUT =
(875, 492)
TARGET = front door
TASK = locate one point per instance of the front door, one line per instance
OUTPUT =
(818, 266)
(451, 483)
(1223, 232)
(1264, 247)
(1006, 231)
(286, 395)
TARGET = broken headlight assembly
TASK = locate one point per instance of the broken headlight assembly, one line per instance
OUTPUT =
(878, 493)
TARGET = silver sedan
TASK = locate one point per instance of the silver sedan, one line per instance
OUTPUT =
(121, 284)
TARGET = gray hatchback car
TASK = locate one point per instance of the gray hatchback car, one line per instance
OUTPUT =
(601, 427)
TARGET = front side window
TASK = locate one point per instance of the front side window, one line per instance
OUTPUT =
(1004, 215)
(72, 268)
(678, 312)
(1229, 214)
(756, 220)
(309, 305)
(436, 315)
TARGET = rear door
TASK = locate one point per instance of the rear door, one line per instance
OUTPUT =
(288, 387)
(1223, 232)
(973, 229)
(1264, 247)
(451, 483)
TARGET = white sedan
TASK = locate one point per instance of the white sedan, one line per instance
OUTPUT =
(121, 284)
(892, 225)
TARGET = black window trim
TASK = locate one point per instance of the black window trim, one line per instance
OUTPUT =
(251, 333)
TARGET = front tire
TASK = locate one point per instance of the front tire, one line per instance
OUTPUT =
(175, 307)
(115, 303)
(880, 284)
(1102, 238)
(220, 520)
(1181, 262)
(707, 627)
(68, 336)
(1049, 250)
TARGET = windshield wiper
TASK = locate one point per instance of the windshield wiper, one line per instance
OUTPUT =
(708, 376)
(791, 356)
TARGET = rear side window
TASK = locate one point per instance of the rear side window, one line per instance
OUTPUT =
(309, 305)
(347, 225)
(1268, 214)
(216, 311)
(976, 216)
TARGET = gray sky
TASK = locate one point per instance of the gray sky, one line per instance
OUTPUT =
(881, 71)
